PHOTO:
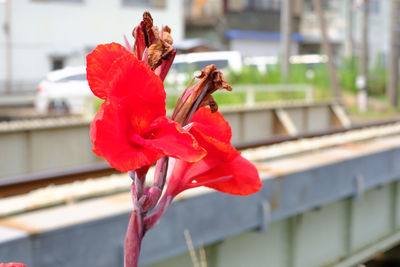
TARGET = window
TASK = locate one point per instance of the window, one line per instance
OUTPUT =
(77, 77)
(57, 63)
(262, 4)
(373, 6)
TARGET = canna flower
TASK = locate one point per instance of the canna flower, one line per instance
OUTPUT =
(223, 168)
(132, 132)
(12, 264)
(130, 129)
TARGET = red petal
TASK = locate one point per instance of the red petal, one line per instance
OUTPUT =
(110, 134)
(222, 160)
(133, 82)
(12, 264)
(136, 98)
(213, 133)
(245, 180)
(140, 43)
(99, 62)
(168, 138)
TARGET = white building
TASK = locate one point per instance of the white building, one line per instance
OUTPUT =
(335, 13)
(48, 34)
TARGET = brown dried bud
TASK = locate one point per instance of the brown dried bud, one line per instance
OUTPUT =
(200, 94)
(158, 52)
(146, 30)
(167, 35)
(209, 101)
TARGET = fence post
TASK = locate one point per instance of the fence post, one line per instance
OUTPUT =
(250, 97)
(309, 94)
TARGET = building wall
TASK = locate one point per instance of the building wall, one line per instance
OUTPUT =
(379, 30)
(335, 15)
(42, 30)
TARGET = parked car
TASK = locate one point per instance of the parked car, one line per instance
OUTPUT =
(185, 64)
(64, 90)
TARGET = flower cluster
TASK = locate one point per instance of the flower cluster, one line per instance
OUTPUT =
(131, 130)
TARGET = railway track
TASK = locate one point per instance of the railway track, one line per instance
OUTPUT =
(21, 184)
(17, 185)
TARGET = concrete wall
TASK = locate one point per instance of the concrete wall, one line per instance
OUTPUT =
(42, 29)
(55, 148)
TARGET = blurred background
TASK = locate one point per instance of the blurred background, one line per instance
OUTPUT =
(308, 77)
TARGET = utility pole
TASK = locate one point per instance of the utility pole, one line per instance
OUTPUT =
(8, 57)
(349, 29)
(327, 49)
(392, 89)
(362, 79)
(286, 32)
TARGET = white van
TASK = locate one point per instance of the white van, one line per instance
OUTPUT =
(186, 64)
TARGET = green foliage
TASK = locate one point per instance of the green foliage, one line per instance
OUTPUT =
(230, 98)
(348, 72)
(97, 103)
(314, 74)
(248, 75)
(377, 78)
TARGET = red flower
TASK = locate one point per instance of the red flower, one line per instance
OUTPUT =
(12, 264)
(130, 130)
(223, 168)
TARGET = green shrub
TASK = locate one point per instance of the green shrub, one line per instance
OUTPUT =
(377, 78)
(348, 72)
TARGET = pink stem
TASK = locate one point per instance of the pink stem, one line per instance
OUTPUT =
(152, 219)
(142, 202)
(133, 240)
(161, 172)
(135, 231)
